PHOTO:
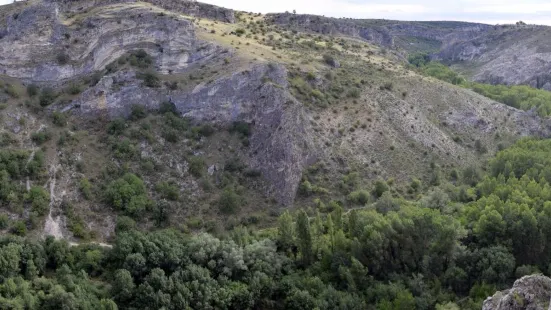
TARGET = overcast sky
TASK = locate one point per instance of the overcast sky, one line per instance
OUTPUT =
(485, 11)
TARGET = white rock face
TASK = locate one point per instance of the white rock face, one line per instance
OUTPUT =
(528, 293)
(41, 45)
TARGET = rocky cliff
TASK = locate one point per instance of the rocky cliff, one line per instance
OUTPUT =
(528, 293)
(383, 32)
(281, 144)
(508, 55)
(42, 45)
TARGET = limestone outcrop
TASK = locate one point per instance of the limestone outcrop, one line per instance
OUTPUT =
(528, 293)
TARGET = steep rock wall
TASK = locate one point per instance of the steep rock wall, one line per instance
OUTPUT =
(40, 47)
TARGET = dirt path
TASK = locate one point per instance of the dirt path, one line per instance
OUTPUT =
(53, 225)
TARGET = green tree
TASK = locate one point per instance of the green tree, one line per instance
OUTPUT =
(304, 237)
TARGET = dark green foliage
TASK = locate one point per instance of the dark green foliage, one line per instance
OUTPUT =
(167, 107)
(116, 127)
(140, 59)
(241, 128)
(59, 118)
(137, 112)
(380, 188)
(150, 79)
(128, 194)
(41, 137)
(229, 201)
(74, 89)
(85, 188)
(519, 96)
(4, 221)
(32, 90)
(62, 58)
(196, 166)
(19, 228)
(304, 237)
(47, 96)
(168, 190)
(432, 253)
(39, 200)
(419, 59)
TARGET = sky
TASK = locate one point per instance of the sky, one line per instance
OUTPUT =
(484, 11)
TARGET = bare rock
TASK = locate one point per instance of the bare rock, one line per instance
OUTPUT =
(528, 293)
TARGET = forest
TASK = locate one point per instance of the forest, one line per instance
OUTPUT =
(448, 249)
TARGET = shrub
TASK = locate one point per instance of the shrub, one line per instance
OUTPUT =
(380, 188)
(41, 137)
(124, 149)
(19, 228)
(140, 59)
(168, 191)
(4, 221)
(128, 194)
(242, 128)
(86, 188)
(10, 90)
(74, 89)
(196, 166)
(47, 96)
(124, 223)
(150, 79)
(59, 119)
(167, 107)
(229, 201)
(240, 31)
(62, 58)
(32, 90)
(137, 112)
(39, 200)
(353, 93)
(116, 127)
(359, 197)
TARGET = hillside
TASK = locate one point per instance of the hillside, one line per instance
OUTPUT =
(500, 54)
(297, 101)
(185, 156)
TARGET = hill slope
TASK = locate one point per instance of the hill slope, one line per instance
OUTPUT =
(240, 110)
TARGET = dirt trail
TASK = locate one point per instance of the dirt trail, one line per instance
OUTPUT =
(53, 225)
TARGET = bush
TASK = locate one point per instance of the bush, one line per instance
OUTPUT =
(41, 137)
(168, 191)
(62, 58)
(59, 119)
(116, 127)
(140, 59)
(359, 197)
(4, 221)
(128, 194)
(10, 90)
(47, 96)
(39, 200)
(137, 112)
(150, 79)
(86, 188)
(19, 228)
(380, 188)
(229, 201)
(196, 166)
(124, 223)
(242, 128)
(167, 107)
(32, 90)
(74, 89)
